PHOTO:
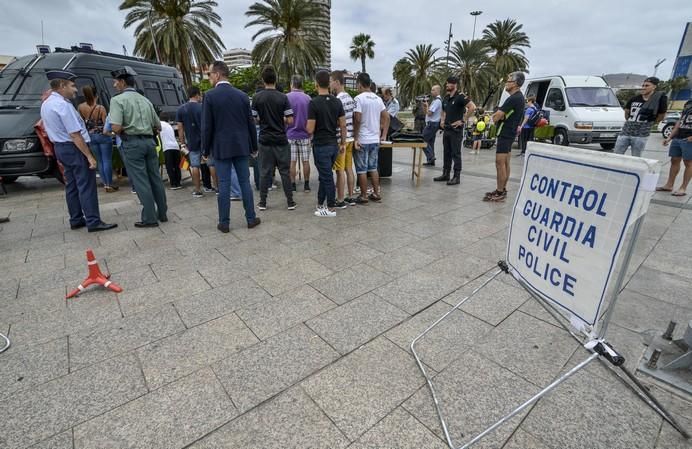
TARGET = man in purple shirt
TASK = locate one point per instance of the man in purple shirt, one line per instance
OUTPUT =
(297, 134)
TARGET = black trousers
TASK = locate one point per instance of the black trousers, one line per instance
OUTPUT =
(206, 176)
(451, 141)
(172, 158)
(271, 156)
(525, 137)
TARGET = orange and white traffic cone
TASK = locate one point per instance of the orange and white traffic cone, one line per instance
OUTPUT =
(95, 277)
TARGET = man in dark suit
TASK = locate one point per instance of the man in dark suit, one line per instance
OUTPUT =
(228, 134)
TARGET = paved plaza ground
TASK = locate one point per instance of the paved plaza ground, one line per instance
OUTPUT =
(296, 334)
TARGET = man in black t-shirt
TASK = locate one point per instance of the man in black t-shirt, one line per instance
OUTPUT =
(680, 151)
(325, 116)
(641, 112)
(456, 109)
(274, 113)
(508, 120)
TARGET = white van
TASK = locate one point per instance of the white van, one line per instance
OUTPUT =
(583, 109)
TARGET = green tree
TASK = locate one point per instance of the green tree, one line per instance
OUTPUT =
(183, 30)
(416, 73)
(507, 42)
(290, 36)
(362, 47)
(245, 78)
(472, 63)
(673, 86)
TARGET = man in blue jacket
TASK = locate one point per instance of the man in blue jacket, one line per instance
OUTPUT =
(228, 134)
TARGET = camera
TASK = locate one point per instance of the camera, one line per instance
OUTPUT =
(424, 98)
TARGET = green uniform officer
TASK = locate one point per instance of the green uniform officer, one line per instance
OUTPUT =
(134, 119)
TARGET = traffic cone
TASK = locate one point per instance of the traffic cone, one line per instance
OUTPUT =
(95, 277)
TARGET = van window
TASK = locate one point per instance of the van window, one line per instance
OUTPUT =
(108, 81)
(152, 92)
(555, 100)
(591, 96)
(170, 94)
(80, 82)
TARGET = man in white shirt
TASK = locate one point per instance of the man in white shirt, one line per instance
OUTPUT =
(171, 154)
(370, 125)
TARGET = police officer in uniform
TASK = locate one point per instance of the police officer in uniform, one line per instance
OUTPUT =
(67, 132)
(454, 106)
(133, 117)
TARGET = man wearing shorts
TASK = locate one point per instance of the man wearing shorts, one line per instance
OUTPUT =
(370, 125)
(189, 120)
(298, 137)
(508, 119)
(344, 161)
(680, 141)
(641, 113)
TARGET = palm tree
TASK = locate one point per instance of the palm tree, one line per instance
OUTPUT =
(507, 42)
(183, 30)
(290, 35)
(416, 72)
(362, 47)
(401, 72)
(471, 62)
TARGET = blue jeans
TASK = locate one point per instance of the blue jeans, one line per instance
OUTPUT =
(429, 134)
(325, 155)
(366, 158)
(637, 144)
(102, 147)
(224, 170)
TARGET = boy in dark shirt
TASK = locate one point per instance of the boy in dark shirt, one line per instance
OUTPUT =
(274, 112)
(508, 121)
(325, 116)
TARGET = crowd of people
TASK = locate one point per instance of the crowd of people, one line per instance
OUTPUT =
(225, 133)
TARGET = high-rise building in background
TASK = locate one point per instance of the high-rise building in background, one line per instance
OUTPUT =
(325, 31)
(683, 67)
(237, 57)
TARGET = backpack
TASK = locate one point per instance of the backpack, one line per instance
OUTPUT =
(536, 117)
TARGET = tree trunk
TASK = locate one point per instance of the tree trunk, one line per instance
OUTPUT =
(362, 63)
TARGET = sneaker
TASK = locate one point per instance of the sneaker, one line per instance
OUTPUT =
(208, 190)
(341, 205)
(273, 187)
(494, 192)
(356, 190)
(324, 212)
(133, 191)
(375, 198)
(497, 197)
(235, 198)
(350, 201)
(292, 205)
(262, 205)
(306, 188)
(176, 187)
(293, 187)
(361, 200)
(197, 194)
(370, 190)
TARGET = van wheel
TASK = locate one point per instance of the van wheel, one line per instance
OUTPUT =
(608, 146)
(9, 179)
(560, 137)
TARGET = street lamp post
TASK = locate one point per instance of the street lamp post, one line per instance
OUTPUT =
(153, 39)
(658, 63)
(448, 42)
(475, 15)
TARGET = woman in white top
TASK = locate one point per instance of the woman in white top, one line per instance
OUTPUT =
(171, 154)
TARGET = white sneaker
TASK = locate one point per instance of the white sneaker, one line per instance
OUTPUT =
(324, 212)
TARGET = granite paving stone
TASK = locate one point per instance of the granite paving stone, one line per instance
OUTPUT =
(350, 325)
(583, 410)
(415, 291)
(350, 283)
(171, 417)
(166, 360)
(281, 312)
(493, 303)
(365, 386)
(399, 430)
(529, 347)
(220, 301)
(160, 293)
(393, 239)
(123, 335)
(281, 279)
(445, 342)
(23, 368)
(257, 373)
(669, 438)
(34, 415)
(289, 421)
(60, 441)
(640, 313)
(401, 261)
(662, 286)
(524, 440)
(345, 256)
(474, 392)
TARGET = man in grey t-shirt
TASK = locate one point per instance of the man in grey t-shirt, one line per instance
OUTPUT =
(641, 112)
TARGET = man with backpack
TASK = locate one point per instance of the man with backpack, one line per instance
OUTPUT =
(528, 125)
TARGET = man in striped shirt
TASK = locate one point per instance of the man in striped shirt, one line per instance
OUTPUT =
(344, 161)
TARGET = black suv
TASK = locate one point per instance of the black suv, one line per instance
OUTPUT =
(23, 82)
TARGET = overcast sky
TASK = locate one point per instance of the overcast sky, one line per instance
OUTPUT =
(567, 37)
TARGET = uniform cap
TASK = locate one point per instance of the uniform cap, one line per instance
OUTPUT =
(60, 75)
(123, 73)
